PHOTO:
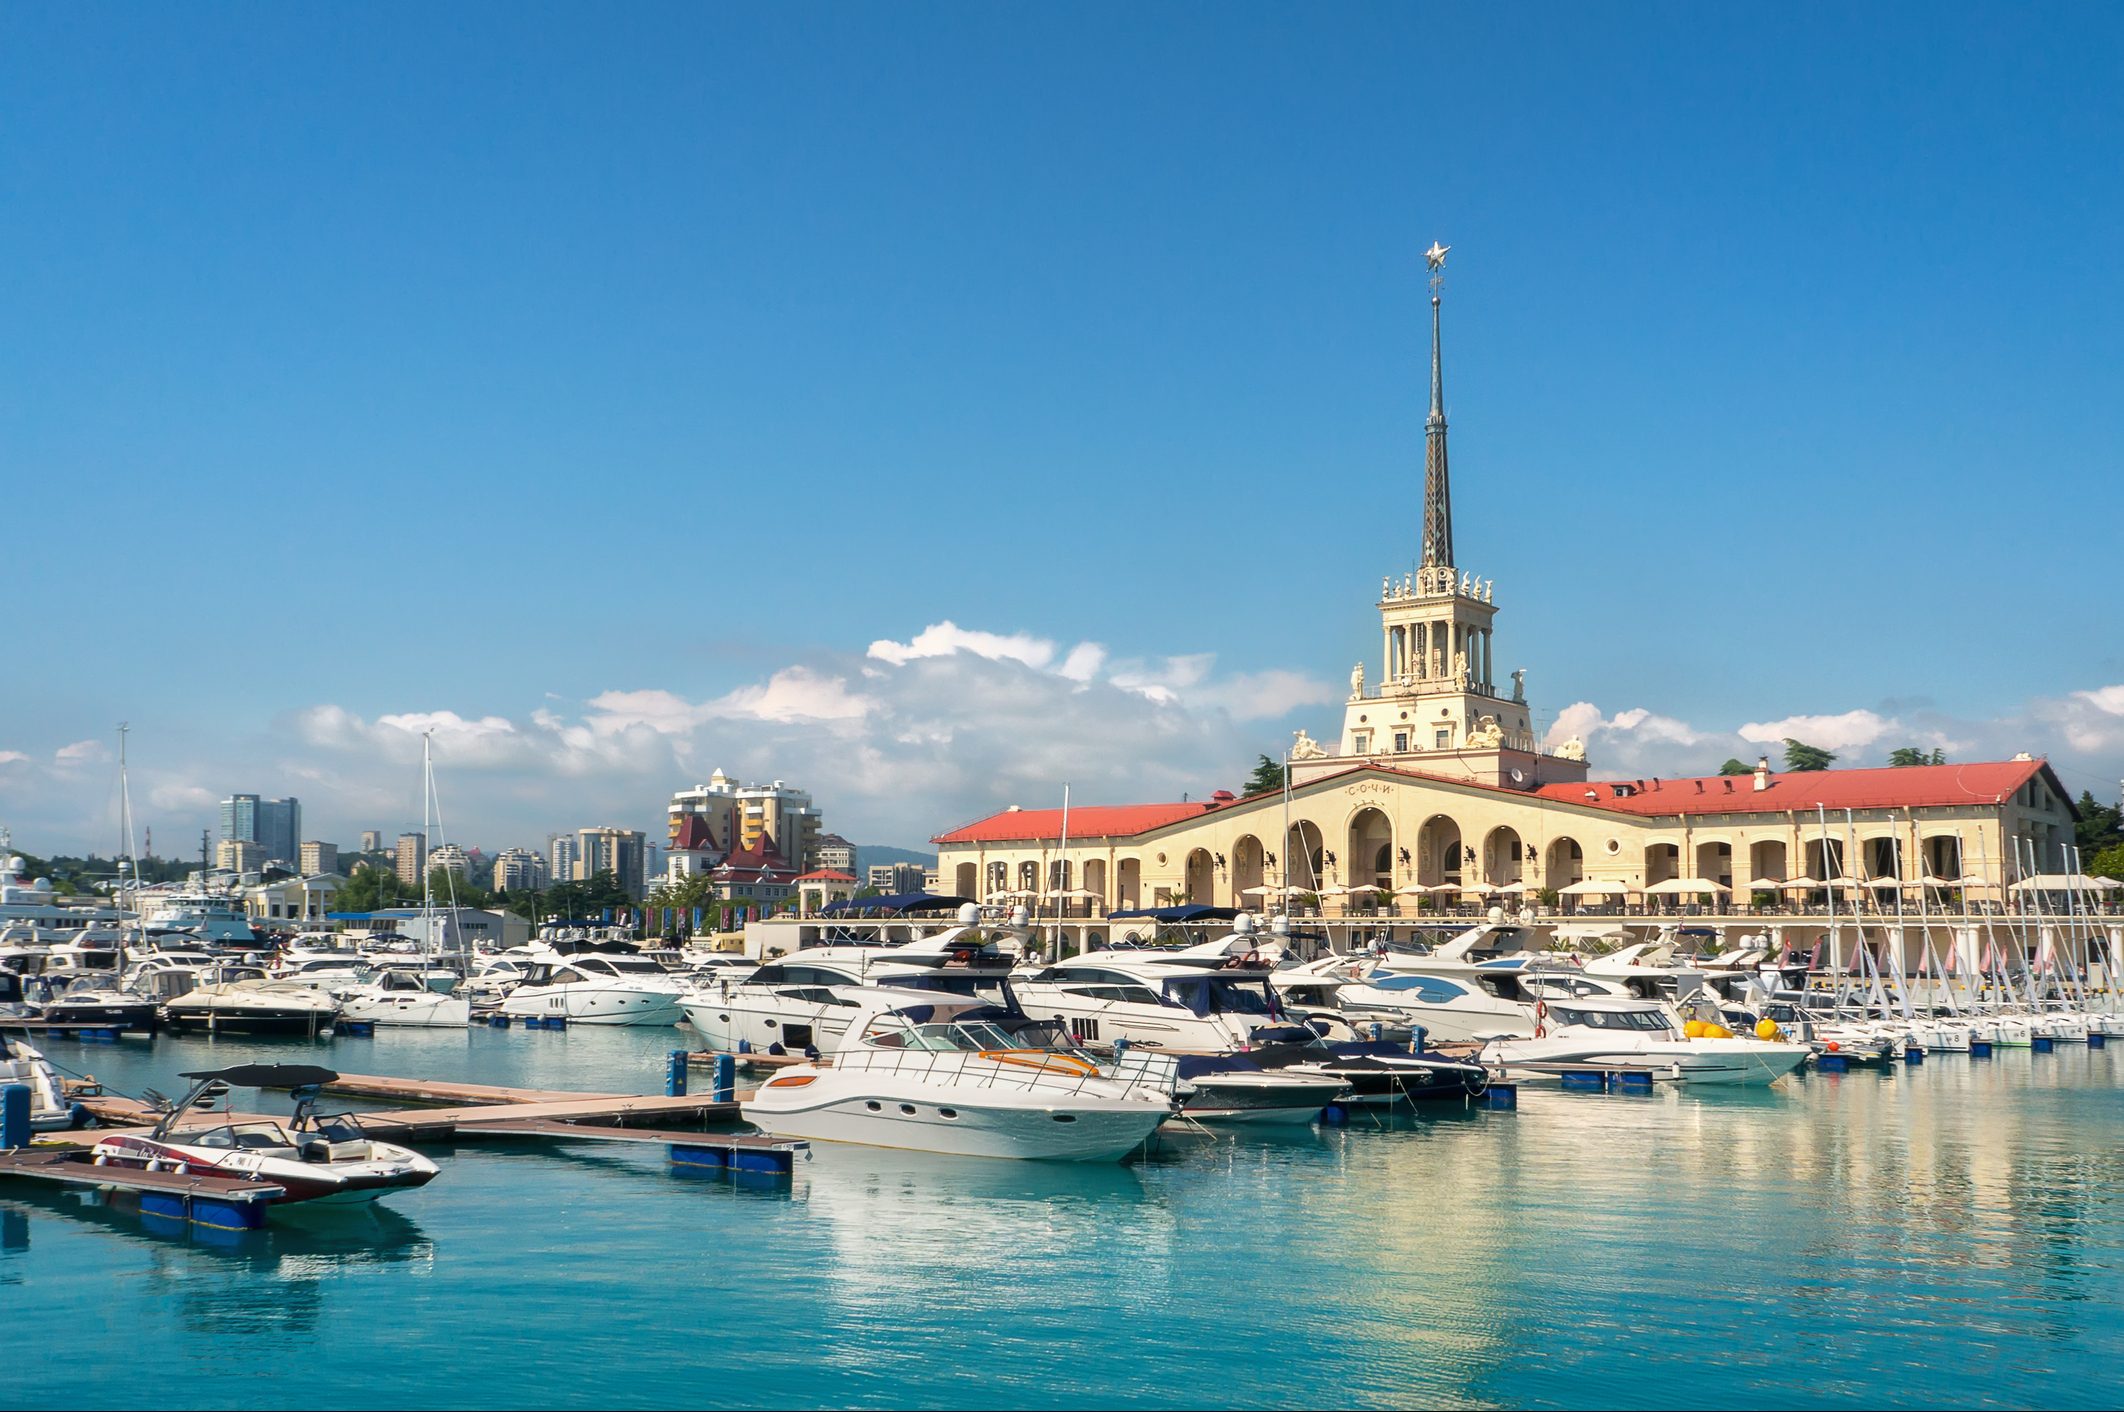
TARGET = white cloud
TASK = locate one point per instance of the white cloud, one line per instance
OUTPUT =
(943, 639)
(1850, 730)
(12, 757)
(81, 752)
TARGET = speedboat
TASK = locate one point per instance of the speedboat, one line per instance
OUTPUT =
(595, 988)
(242, 1000)
(97, 1004)
(1608, 1033)
(50, 1110)
(330, 1160)
(932, 1072)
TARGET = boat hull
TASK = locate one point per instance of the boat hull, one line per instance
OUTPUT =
(592, 1005)
(1023, 1133)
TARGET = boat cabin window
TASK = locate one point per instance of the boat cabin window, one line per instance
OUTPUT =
(1216, 995)
(1645, 1020)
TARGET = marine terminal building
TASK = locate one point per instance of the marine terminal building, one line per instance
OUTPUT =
(1438, 794)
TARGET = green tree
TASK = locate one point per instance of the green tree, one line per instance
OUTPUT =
(1736, 766)
(1911, 755)
(2109, 863)
(372, 889)
(1267, 775)
(2101, 826)
(1800, 756)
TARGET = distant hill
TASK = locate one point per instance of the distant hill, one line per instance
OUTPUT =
(870, 855)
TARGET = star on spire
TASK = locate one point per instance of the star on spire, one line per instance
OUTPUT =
(1435, 256)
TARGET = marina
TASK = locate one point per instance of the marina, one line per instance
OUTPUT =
(1951, 1182)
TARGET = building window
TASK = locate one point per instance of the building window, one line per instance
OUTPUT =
(1445, 737)
(1401, 742)
(1362, 743)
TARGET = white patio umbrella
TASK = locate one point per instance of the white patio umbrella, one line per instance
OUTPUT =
(1261, 890)
(1414, 890)
(1587, 887)
(1512, 888)
(1694, 887)
(1800, 884)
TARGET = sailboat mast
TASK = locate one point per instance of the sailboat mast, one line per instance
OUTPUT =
(1064, 849)
(427, 817)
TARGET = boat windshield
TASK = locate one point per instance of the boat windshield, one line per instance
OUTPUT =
(1649, 1020)
(240, 1135)
(1218, 995)
(970, 1036)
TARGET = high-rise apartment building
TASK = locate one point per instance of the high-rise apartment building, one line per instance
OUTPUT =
(741, 816)
(451, 859)
(319, 858)
(564, 856)
(611, 850)
(518, 870)
(239, 855)
(835, 854)
(275, 825)
(892, 879)
(412, 858)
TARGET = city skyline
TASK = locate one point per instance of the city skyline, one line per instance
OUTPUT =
(1070, 451)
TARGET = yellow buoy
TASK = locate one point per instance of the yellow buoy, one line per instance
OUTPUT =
(1766, 1028)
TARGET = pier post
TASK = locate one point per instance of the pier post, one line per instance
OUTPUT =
(15, 1116)
(722, 1078)
(675, 1075)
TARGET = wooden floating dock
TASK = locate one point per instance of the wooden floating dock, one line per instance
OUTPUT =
(223, 1203)
(476, 1112)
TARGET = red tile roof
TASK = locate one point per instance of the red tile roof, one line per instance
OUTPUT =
(694, 836)
(1085, 821)
(1888, 787)
(827, 875)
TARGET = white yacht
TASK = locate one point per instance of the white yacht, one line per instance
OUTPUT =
(1473, 987)
(930, 1072)
(594, 988)
(1210, 998)
(1612, 1033)
(210, 916)
(21, 1063)
(401, 999)
(790, 1003)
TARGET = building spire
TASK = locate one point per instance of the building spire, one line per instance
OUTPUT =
(1437, 487)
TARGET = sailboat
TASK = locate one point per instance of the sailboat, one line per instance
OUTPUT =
(403, 997)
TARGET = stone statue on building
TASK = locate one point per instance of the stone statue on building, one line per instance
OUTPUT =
(1572, 749)
(1460, 668)
(1306, 748)
(1519, 684)
(1486, 735)
(1357, 681)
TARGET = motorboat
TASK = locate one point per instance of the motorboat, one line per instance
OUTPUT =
(244, 1000)
(210, 916)
(595, 988)
(1239, 1088)
(50, 1109)
(1377, 1072)
(1612, 1033)
(328, 1160)
(933, 1072)
(398, 997)
(789, 1004)
(98, 1004)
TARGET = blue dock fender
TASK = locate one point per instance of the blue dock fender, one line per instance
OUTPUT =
(1980, 1049)
(2041, 1044)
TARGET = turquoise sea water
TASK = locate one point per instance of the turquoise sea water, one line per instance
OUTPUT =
(1951, 1234)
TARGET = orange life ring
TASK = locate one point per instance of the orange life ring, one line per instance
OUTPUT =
(1541, 1019)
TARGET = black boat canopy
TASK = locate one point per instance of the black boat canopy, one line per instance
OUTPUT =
(898, 902)
(1193, 912)
(269, 1075)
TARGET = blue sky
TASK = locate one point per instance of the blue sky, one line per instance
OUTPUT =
(599, 386)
